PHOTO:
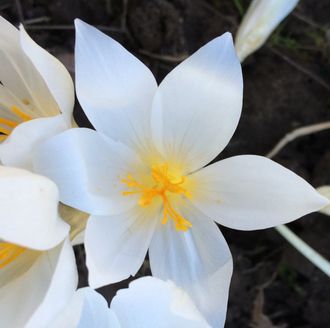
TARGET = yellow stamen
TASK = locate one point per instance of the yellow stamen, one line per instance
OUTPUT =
(10, 123)
(165, 184)
(21, 114)
(4, 131)
(8, 253)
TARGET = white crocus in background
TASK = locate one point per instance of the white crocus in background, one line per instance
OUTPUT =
(148, 302)
(142, 174)
(35, 89)
(260, 20)
(325, 191)
(38, 275)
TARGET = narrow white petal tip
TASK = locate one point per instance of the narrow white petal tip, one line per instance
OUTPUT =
(228, 36)
(78, 22)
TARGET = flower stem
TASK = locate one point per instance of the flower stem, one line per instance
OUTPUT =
(313, 256)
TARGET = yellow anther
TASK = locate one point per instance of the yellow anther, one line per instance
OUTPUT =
(21, 114)
(9, 252)
(4, 131)
(165, 184)
(10, 123)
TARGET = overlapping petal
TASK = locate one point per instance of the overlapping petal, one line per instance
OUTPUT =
(29, 210)
(114, 88)
(87, 168)
(18, 149)
(21, 77)
(53, 72)
(151, 302)
(39, 294)
(252, 192)
(117, 245)
(198, 260)
(86, 309)
(197, 106)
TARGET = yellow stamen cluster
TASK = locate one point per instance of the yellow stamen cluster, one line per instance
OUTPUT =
(8, 253)
(9, 124)
(164, 183)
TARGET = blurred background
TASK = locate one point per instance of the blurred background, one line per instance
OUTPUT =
(287, 85)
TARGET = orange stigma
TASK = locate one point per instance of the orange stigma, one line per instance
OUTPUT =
(164, 185)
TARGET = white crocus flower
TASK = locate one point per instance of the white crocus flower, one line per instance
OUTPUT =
(148, 302)
(35, 89)
(142, 174)
(260, 20)
(37, 265)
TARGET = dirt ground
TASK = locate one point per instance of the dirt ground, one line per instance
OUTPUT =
(287, 85)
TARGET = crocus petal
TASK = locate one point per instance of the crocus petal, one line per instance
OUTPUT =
(114, 88)
(166, 304)
(53, 72)
(20, 76)
(197, 260)
(117, 245)
(262, 17)
(325, 191)
(42, 292)
(29, 210)
(252, 192)
(95, 311)
(197, 106)
(86, 309)
(18, 149)
(87, 167)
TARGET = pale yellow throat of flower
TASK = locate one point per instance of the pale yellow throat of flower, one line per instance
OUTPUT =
(8, 253)
(163, 185)
(7, 126)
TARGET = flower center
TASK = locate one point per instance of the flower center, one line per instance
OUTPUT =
(8, 253)
(7, 126)
(163, 185)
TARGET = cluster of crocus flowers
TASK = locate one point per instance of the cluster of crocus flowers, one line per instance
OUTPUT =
(260, 20)
(36, 96)
(144, 177)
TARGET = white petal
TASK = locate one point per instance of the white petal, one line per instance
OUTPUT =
(155, 303)
(325, 191)
(117, 245)
(114, 88)
(29, 210)
(86, 309)
(197, 106)
(18, 149)
(53, 72)
(20, 76)
(95, 311)
(262, 17)
(252, 192)
(87, 168)
(36, 297)
(198, 261)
